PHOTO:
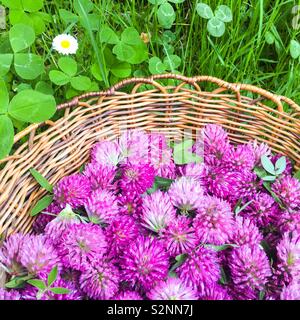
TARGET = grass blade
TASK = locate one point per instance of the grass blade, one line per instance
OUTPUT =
(98, 53)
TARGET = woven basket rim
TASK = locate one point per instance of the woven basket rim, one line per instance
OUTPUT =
(152, 80)
(236, 87)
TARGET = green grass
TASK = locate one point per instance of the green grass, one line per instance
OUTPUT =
(240, 55)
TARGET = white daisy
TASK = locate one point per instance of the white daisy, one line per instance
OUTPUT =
(65, 44)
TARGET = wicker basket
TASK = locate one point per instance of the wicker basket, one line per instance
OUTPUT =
(168, 103)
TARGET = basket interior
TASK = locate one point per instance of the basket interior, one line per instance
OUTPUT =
(60, 148)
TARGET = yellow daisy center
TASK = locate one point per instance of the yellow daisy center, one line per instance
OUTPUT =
(65, 44)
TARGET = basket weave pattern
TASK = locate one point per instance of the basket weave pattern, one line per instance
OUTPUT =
(246, 111)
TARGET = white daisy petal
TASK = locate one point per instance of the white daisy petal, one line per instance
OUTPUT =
(65, 44)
